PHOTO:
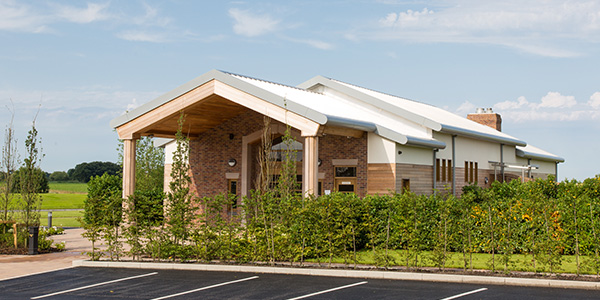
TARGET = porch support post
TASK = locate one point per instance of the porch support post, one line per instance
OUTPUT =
(128, 168)
(245, 167)
(310, 178)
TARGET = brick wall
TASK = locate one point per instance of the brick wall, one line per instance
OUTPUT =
(341, 147)
(210, 153)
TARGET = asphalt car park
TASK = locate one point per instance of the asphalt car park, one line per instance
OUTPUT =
(119, 283)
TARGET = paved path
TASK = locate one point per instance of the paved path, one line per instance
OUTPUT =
(20, 265)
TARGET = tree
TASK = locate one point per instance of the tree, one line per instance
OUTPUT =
(83, 172)
(9, 164)
(149, 165)
(59, 176)
(29, 178)
(39, 175)
(179, 214)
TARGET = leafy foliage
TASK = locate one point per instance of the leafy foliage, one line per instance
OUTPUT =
(83, 172)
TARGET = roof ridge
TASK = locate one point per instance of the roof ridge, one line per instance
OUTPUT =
(388, 94)
(272, 82)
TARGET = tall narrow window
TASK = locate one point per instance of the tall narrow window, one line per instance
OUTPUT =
(437, 169)
(443, 170)
(450, 170)
(471, 171)
(232, 190)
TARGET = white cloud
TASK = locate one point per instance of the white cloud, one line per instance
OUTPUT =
(551, 107)
(93, 12)
(541, 27)
(595, 100)
(249, 24)
(465, 108)
(19, 17)
(521, 101)
(142, 36)
(556, 100)
(313, 43)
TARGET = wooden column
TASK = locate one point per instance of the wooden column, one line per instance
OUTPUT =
(310, 178)
(245, 167)
(128, 168)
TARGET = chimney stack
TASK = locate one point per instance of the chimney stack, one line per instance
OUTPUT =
(487, 117)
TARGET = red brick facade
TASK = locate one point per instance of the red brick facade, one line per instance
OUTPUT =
(210, 153)
(340, 147)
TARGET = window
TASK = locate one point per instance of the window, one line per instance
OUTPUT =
(471, 171)
(232, 191)
(279, 149)
(443, 170)
(345, 179)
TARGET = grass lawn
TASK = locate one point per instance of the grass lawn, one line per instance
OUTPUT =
(68, 187)
(62, 201)
(62, 218)
(482, 261)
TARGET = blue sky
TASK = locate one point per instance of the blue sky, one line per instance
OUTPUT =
(536, 63)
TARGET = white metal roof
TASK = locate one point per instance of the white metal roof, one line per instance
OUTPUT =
(533, 152)
(337, 108)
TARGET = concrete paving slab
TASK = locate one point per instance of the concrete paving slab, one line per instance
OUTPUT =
(21, 265)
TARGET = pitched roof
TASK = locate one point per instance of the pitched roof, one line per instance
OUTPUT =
(345, 105)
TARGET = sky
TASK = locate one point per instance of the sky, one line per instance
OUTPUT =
(77, 65)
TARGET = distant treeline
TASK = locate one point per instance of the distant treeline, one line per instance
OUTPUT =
(81, 173)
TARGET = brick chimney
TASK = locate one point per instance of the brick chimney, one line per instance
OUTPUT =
(487, 117)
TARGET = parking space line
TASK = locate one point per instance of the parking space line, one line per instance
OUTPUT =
(93, 285)
(465, 293)
(205, 288)
(329, 290)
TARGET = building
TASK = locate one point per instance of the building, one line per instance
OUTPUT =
(349, 138)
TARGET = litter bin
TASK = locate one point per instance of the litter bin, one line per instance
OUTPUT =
(33, 240)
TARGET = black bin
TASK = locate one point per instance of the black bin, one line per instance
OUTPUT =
(33, 240)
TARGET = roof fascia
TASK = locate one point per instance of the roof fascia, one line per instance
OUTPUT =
(230, 80)
(385, 132)
(551, 158)
(426, 143)
(478, 135)
(428, 123)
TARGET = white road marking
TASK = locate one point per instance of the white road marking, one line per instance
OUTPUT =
(206, 288)
(465, 293)
(93, 285)
(329, 290)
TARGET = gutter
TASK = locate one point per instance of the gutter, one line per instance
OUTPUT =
(544, 157)
(384, 132)
(479, 135)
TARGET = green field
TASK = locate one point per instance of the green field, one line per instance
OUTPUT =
(62, 201)
(67, 187)
(62, 218)
(64, 195)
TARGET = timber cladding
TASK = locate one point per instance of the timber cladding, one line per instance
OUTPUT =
(381, 179)
(420, 178)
